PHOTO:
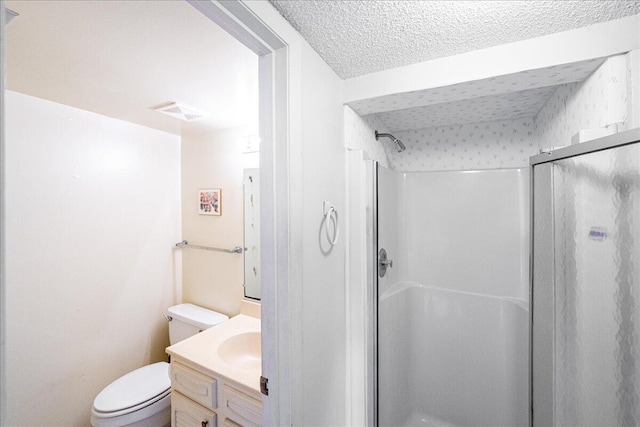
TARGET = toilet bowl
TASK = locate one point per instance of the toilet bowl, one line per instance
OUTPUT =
(142, 397)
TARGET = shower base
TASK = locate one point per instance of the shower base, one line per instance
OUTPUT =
(419, 419)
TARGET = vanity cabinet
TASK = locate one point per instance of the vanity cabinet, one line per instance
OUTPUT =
(215, 375)
(199, 399)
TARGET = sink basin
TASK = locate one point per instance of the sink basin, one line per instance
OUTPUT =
(243, 350)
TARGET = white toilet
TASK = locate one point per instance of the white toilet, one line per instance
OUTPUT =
(142, 398)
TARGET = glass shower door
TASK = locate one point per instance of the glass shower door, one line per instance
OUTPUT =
(586, 356)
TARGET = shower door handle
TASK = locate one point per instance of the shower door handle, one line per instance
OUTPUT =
(383, 262)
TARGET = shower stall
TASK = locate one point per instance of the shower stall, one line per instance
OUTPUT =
(452, 298)
(459, 259)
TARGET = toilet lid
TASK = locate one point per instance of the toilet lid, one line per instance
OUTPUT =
(134, 388)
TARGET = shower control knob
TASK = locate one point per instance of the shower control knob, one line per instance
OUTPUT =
(383, 262)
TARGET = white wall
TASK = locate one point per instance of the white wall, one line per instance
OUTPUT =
(93, 210)
(321, 399)
(213, 160)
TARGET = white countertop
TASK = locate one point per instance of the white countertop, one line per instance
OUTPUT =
(201, 350)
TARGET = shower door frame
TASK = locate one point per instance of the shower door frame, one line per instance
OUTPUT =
(541, 355)
(373, 269)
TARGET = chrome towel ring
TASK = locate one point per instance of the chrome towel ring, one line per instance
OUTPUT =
(331, 215)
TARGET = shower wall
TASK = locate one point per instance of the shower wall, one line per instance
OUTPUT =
(470, 146)
(475, 219)
(461, 359)
(453, 310)
(392, 223)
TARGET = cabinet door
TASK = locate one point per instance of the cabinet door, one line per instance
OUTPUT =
(187, 413)
(242, 409)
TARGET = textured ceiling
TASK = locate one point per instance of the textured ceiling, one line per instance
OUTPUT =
(120, 58)
(357, 37)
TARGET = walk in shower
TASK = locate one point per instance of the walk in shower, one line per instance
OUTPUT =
(586, 284)
(485, 308)
(452, 299)
(456, 344)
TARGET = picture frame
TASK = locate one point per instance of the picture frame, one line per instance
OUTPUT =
(210, 201)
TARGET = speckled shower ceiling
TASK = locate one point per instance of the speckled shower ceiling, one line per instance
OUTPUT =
(357, 37)
(507, 97)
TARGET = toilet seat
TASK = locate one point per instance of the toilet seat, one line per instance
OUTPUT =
(134, 396)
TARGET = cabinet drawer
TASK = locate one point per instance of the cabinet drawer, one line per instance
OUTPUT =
(230, 423)
(242, 409)
(187, 413)
(194, 385)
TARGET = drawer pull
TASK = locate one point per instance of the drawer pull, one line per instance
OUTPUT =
(205, 423)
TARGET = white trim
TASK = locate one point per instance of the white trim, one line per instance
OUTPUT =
(231, 16)
(360, 294)
(595, 41)
(3, 283)
(355, 269)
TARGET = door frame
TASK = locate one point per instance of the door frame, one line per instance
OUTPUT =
(618, 140)
(239, 20)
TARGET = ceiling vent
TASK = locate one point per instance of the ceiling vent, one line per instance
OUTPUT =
(181, 111)
(9, 15)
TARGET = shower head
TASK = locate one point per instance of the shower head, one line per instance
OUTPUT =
(399, 145)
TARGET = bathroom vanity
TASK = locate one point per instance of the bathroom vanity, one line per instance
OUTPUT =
(215, 375)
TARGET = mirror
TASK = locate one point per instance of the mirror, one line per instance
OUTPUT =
(252, 233)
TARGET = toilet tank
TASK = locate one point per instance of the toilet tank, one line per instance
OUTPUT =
(186, 320)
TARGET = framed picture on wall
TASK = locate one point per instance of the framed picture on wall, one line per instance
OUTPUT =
(210, 200)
